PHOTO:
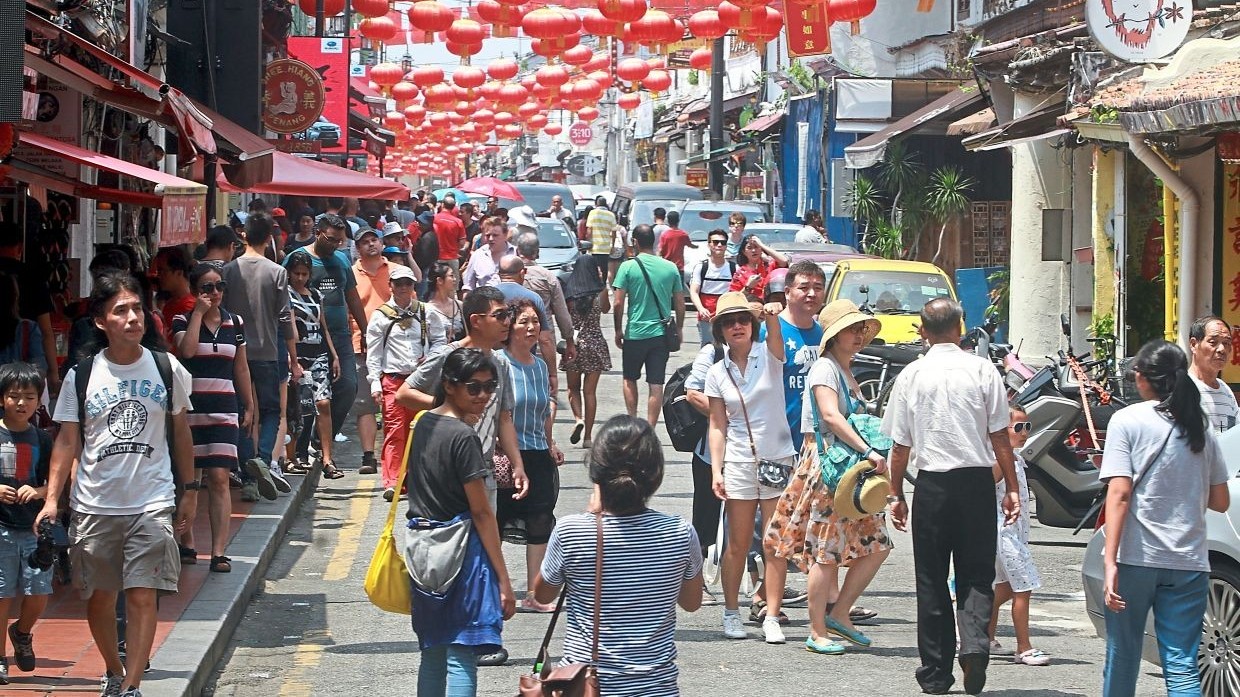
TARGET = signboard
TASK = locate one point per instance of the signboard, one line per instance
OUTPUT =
(809, 32)
(330, 60)
(293, 96)
(183, 219)
(583, 165)
(1230, 266)
(1138, 31)
(698, 177)
(59, 117)
(580, 133)
(678, 51)
(297, 146)
(751, 186)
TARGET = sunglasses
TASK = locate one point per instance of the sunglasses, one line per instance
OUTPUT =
(475, 388)
(718, 243)
(1022, 426)
(735, 318)
(212, 287)
(504, 314)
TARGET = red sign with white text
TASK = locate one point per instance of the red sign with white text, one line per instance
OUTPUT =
(329, 57)
(183, 219)
(580, 133)
(809, 31)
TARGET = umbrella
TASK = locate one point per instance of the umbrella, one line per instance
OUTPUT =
(491, 186)
(458, 194)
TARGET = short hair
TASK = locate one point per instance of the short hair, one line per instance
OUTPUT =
(738, 218)
(299, 258)
(257, 205)
(527, 245)
(941, 316)
(494, 221)
(21, 374)
(331, 220)
(200, 270)
(335, 202)
(459, 366)
(626, 462)
(11, 234)
(804, 267)
(1198, 329)
(511, 265)
(600, 201)
(643, 236)
(673, 218)
(717, 232)
(176, 259)
(660, 213)
(467, 207)
(449, 202)
(500, 212)
(221, 237)
(258, 229)
(811, 216)
(110, 259)
(518, 306)
(479, 301)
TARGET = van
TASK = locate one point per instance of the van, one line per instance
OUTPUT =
(893, 289)
(538, 195)
(637, 201)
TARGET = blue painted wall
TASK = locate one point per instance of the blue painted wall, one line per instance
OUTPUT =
(802, 111)
(973, 290)
(841, 230)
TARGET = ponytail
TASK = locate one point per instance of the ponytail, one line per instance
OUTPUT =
(1165, 367)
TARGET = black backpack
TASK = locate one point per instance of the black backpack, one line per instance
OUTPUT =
(426, 249)
(685, 425)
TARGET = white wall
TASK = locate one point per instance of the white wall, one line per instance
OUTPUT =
(892, 24)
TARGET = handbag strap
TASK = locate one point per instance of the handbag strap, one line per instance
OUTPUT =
(752, 447)
(541, 659)
(404, 467)
(658, 306)
(1153, 458)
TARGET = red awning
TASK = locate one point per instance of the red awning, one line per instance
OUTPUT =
(298, 176)
(762, 124)
(182, 202)
(248, 160)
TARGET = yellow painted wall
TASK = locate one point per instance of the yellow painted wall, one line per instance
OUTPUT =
(1104, 249)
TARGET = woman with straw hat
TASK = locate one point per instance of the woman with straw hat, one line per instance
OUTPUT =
(808, 527)
(750, 446)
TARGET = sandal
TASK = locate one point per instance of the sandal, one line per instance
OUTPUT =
(297, 467)
(330, 471)
(221, 565)
(189, 555)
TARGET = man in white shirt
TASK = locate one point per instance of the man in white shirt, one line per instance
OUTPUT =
(948, 413)
(1210, 347)
(811, 233)
(710, 279)
(400, 334)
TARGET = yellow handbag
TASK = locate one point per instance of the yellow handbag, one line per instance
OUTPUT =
(387, 581)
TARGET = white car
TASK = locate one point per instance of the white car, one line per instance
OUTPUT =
(1218, 657)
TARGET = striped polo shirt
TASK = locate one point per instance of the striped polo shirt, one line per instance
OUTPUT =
(213, 419)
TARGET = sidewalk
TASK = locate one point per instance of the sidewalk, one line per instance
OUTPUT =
(195, 625)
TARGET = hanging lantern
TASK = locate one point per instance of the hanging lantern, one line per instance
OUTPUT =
(503, 118)
(503, 69)
(600, 61)
(851, 11)
(490, 90)
(536, 122)
(767, 24)
(414, 114)
(706, 25)
(484, 117)
(528, 109)
(464, 108)
(550, 48)
(544, 23)
(577, 55)
(701, 58)
(653, 29)
(331, 8)
(462, 50)
(438, 97)
(378, 28)
(468, 77)
(736, 17)
(502, 18)
(602, 77)
(586, 88)
(657, 63)
(551, 76)
(622, 10)
(553, 129)
(512, 95)
(430, 16)
(370, 8)
(404, 92)
(587, 114)
(386, 74)
(632, 69)
(465, 31)
(596, 24)
(423, 76)
(394, 120)
(438, 120)
(657, 81)
(629, 101)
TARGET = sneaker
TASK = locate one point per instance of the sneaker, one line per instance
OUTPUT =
(997, 649)
(132, 692)
(261, 474)
(110, 685)
(389, 493)
(23, 648)
(4, 671)
(1033, 657)
(369, 466)
(498, 658)
(733, 627)
(277, 478)
(341, 438)
(771, 631)
(249, 492)
(794, 597)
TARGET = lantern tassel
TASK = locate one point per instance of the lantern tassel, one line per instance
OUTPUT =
(925, 5)
(855, 27)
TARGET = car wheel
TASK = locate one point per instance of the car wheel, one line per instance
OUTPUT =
(1218, 657)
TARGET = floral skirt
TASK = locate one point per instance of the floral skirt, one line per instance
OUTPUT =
(805, 529)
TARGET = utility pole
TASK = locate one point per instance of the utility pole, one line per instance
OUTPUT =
(715, 170)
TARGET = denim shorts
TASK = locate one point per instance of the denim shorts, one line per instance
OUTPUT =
(16, 576)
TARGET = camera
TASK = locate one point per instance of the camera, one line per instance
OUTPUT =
(44, 554)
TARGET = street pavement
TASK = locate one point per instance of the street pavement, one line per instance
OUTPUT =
(310, 629)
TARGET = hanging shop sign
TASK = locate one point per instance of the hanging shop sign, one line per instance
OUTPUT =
(583, 164)
(329, 59)
(580, 133)
(809, 32)
(183, 217)
(58, 116)
(751, 185)
(1229, 147)
(293, 96)
(1230, 266)
(698, 177)
(1138, 31)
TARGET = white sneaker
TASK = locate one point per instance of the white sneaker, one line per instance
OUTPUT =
(772, 632)
(734, 627)
(342, 438)
(277, 478)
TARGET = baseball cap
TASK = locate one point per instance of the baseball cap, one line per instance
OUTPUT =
(399, 271)
(366, 231)
(393, 250)
(393, 229)
(278, 213)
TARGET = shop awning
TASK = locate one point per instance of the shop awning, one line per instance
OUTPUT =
(142, 94)
(870, 150)
(720, 154)
(245, 156)
(1037, 125)
(299, 176)
(973, 123)
(182, 202)
(762, 124)
(700, 110)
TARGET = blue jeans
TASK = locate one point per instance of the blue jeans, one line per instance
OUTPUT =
(1178, 599)
(265, 376)
(344, 388)
(448, 671)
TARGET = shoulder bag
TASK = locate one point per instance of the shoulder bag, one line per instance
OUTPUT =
(574, 679)
(387, 578)
(1099, 504)
(772, 474)
(834, 461)
(671, 331)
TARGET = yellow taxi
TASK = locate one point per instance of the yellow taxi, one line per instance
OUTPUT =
(894, 290)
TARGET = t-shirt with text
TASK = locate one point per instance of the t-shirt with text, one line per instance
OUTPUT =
(800, 352)
(333, 278)
(25, 459)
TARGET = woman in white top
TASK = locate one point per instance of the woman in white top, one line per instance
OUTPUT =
(1210, 347)
(1163, 470)
(747, 423)
(442, 284)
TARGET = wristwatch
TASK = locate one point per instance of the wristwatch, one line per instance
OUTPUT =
(895, 499)
(192, 486)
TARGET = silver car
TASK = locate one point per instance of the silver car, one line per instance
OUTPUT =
(1218, 657)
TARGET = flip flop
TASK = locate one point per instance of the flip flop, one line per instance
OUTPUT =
(577, 430)
(330, 471)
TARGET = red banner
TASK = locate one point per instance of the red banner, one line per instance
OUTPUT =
(809, 31)
(330, 59)
(183, 219)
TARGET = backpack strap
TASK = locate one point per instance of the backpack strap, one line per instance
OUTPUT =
(81, 380)
(164, 365)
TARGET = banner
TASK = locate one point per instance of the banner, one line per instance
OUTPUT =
(183, 219)
(330, 60)
(1230, 266)
(809, 33)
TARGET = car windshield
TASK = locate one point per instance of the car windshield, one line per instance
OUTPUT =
(553, 234)
(642, 211)
(894, 292)
(776, 237)
(539, 199)
(698, 222)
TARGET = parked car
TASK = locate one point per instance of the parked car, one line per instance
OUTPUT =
(323, 130)
(698, 218)
(1218, 657)
(638, 201)
(557, 243)
(584, 195)
(538, 196)
(826, 256)
(894, 290)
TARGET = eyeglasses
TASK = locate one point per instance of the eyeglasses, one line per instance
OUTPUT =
(735, 318)
(718, 243)
(503, 315)
(212, 287)
(1022, 426)
(475, 387)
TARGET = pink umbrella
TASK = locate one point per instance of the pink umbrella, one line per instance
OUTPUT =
(490, 186)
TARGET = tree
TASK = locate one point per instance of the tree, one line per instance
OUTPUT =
(947, 196)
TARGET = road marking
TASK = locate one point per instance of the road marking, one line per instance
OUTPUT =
(350, 537)
(305, 659)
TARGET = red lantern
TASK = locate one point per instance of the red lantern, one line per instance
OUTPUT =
(512, 95)
(414, 114)
(551, 75)
(734, 16)
(543, 23)
(394, 120)
(654, 29)
(657, 63)
(602, 77)
(462, 50)
(706, 25)
(404, 92)
(503, 118)
(464, 108)
(701, 58)
(438, 97)
(438, 120)
(594, 23)
(629, 101)
(468, 77)
(578, 55)
(430, 16)
(632, 69)
(503, 69)
(501, 17)
(587, 114)
(484, 117)
(490, 90)
(423, 76)
(852, 11)
(586, 88)
(622, 10)
(378, 28)
(369, 8)
(536, 122)
(657, 81)
(387, 74)
(465, 31)
(600, 61)
(528, 109)
(553, 130)
(767, 24)
(331, 8)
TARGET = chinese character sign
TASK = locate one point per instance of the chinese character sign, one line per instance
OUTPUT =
(809, 31)
(1230, 278)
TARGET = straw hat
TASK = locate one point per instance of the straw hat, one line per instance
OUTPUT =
(861, 492)
(841, 314)
(731, 302)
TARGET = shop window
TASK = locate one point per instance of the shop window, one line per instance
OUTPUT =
(992, 222)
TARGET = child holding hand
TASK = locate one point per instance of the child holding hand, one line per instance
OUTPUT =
(1016, 577)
